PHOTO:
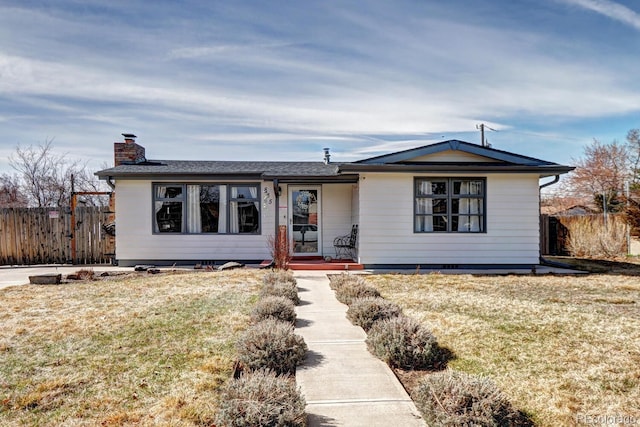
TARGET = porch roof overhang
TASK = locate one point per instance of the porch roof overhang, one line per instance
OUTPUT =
(456, 168)
(306, 179)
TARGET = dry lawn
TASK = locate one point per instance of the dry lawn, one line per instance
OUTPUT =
(561, 347)
(149, 350)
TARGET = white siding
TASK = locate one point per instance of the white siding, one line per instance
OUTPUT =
(452, 156)
(386, 224)
(336, 214)
(135, 239)
(381, 204)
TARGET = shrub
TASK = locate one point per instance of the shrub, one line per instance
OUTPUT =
(271, 344)
(350, 291)
(365, 312)
(339, 280)
(403, 343)
(280, 308)
(276, 276)
(261, 398)
(280, 248)
(281, 289)
(589, 237)
(450, 398)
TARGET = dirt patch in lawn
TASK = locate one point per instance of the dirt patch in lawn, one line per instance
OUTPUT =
(629, 266)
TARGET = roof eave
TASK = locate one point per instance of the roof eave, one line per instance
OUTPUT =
(455, 145)
(167, 176)
(543, 170)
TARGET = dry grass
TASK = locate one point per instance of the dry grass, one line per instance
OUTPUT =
(560, 347)
(590, 237)
(131, 351)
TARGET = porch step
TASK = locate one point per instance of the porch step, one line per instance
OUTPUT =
(317, 263)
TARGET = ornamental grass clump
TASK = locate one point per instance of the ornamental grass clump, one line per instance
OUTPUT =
(364, 312)
(279, 275)
(261, 398)
(271, 344)
(339, 280)
(281, 289)
(358, 289)
(403, 343)
(85, 274)
(280, 308)
(451, 398)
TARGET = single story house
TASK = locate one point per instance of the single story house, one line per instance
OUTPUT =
(451, 204)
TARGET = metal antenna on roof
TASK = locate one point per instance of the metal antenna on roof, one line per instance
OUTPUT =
(483, 141)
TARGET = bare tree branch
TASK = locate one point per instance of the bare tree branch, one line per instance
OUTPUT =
(601, 172)
(10, 192)
(633, 140)
(45, 177)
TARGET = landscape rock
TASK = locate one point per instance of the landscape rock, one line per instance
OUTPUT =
(230, 266)
(46, 279)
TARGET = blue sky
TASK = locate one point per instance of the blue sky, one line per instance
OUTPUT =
(280, 80)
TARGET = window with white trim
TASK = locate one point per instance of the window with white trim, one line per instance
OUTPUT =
(206, 208)
(449, 205)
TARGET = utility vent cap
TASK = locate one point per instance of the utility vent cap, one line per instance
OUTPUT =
(129, 137)
(327, 156)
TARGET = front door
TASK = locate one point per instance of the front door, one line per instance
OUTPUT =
(304, 220)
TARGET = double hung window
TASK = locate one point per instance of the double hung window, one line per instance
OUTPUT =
(453, 205)
(206, 208)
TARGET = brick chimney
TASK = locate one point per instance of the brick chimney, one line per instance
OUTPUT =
(128, 151)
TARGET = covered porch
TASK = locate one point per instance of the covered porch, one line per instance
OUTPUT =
(315, 214)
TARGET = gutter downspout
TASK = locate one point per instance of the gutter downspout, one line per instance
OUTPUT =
(276, 235)
(110, 183)
(276, 192)
(555, 180)
(546, 184)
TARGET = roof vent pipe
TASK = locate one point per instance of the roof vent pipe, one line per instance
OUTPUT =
(327, 156)
(129, 138)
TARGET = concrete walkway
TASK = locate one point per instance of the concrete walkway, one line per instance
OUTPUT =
(343, 384)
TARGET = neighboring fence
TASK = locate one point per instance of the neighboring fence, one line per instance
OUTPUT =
(44, 236)
(591, 235)
(553, 236)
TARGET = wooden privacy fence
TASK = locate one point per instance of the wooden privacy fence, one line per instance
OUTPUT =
(44, 236)
(553, 236)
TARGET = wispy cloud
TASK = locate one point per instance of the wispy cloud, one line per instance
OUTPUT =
(245, 76)
(223, 49)
(611, 9)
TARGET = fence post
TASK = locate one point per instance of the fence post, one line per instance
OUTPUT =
(626, 193)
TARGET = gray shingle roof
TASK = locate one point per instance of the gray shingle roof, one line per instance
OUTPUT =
(456, 145)
(217, 168)
(394, 162)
